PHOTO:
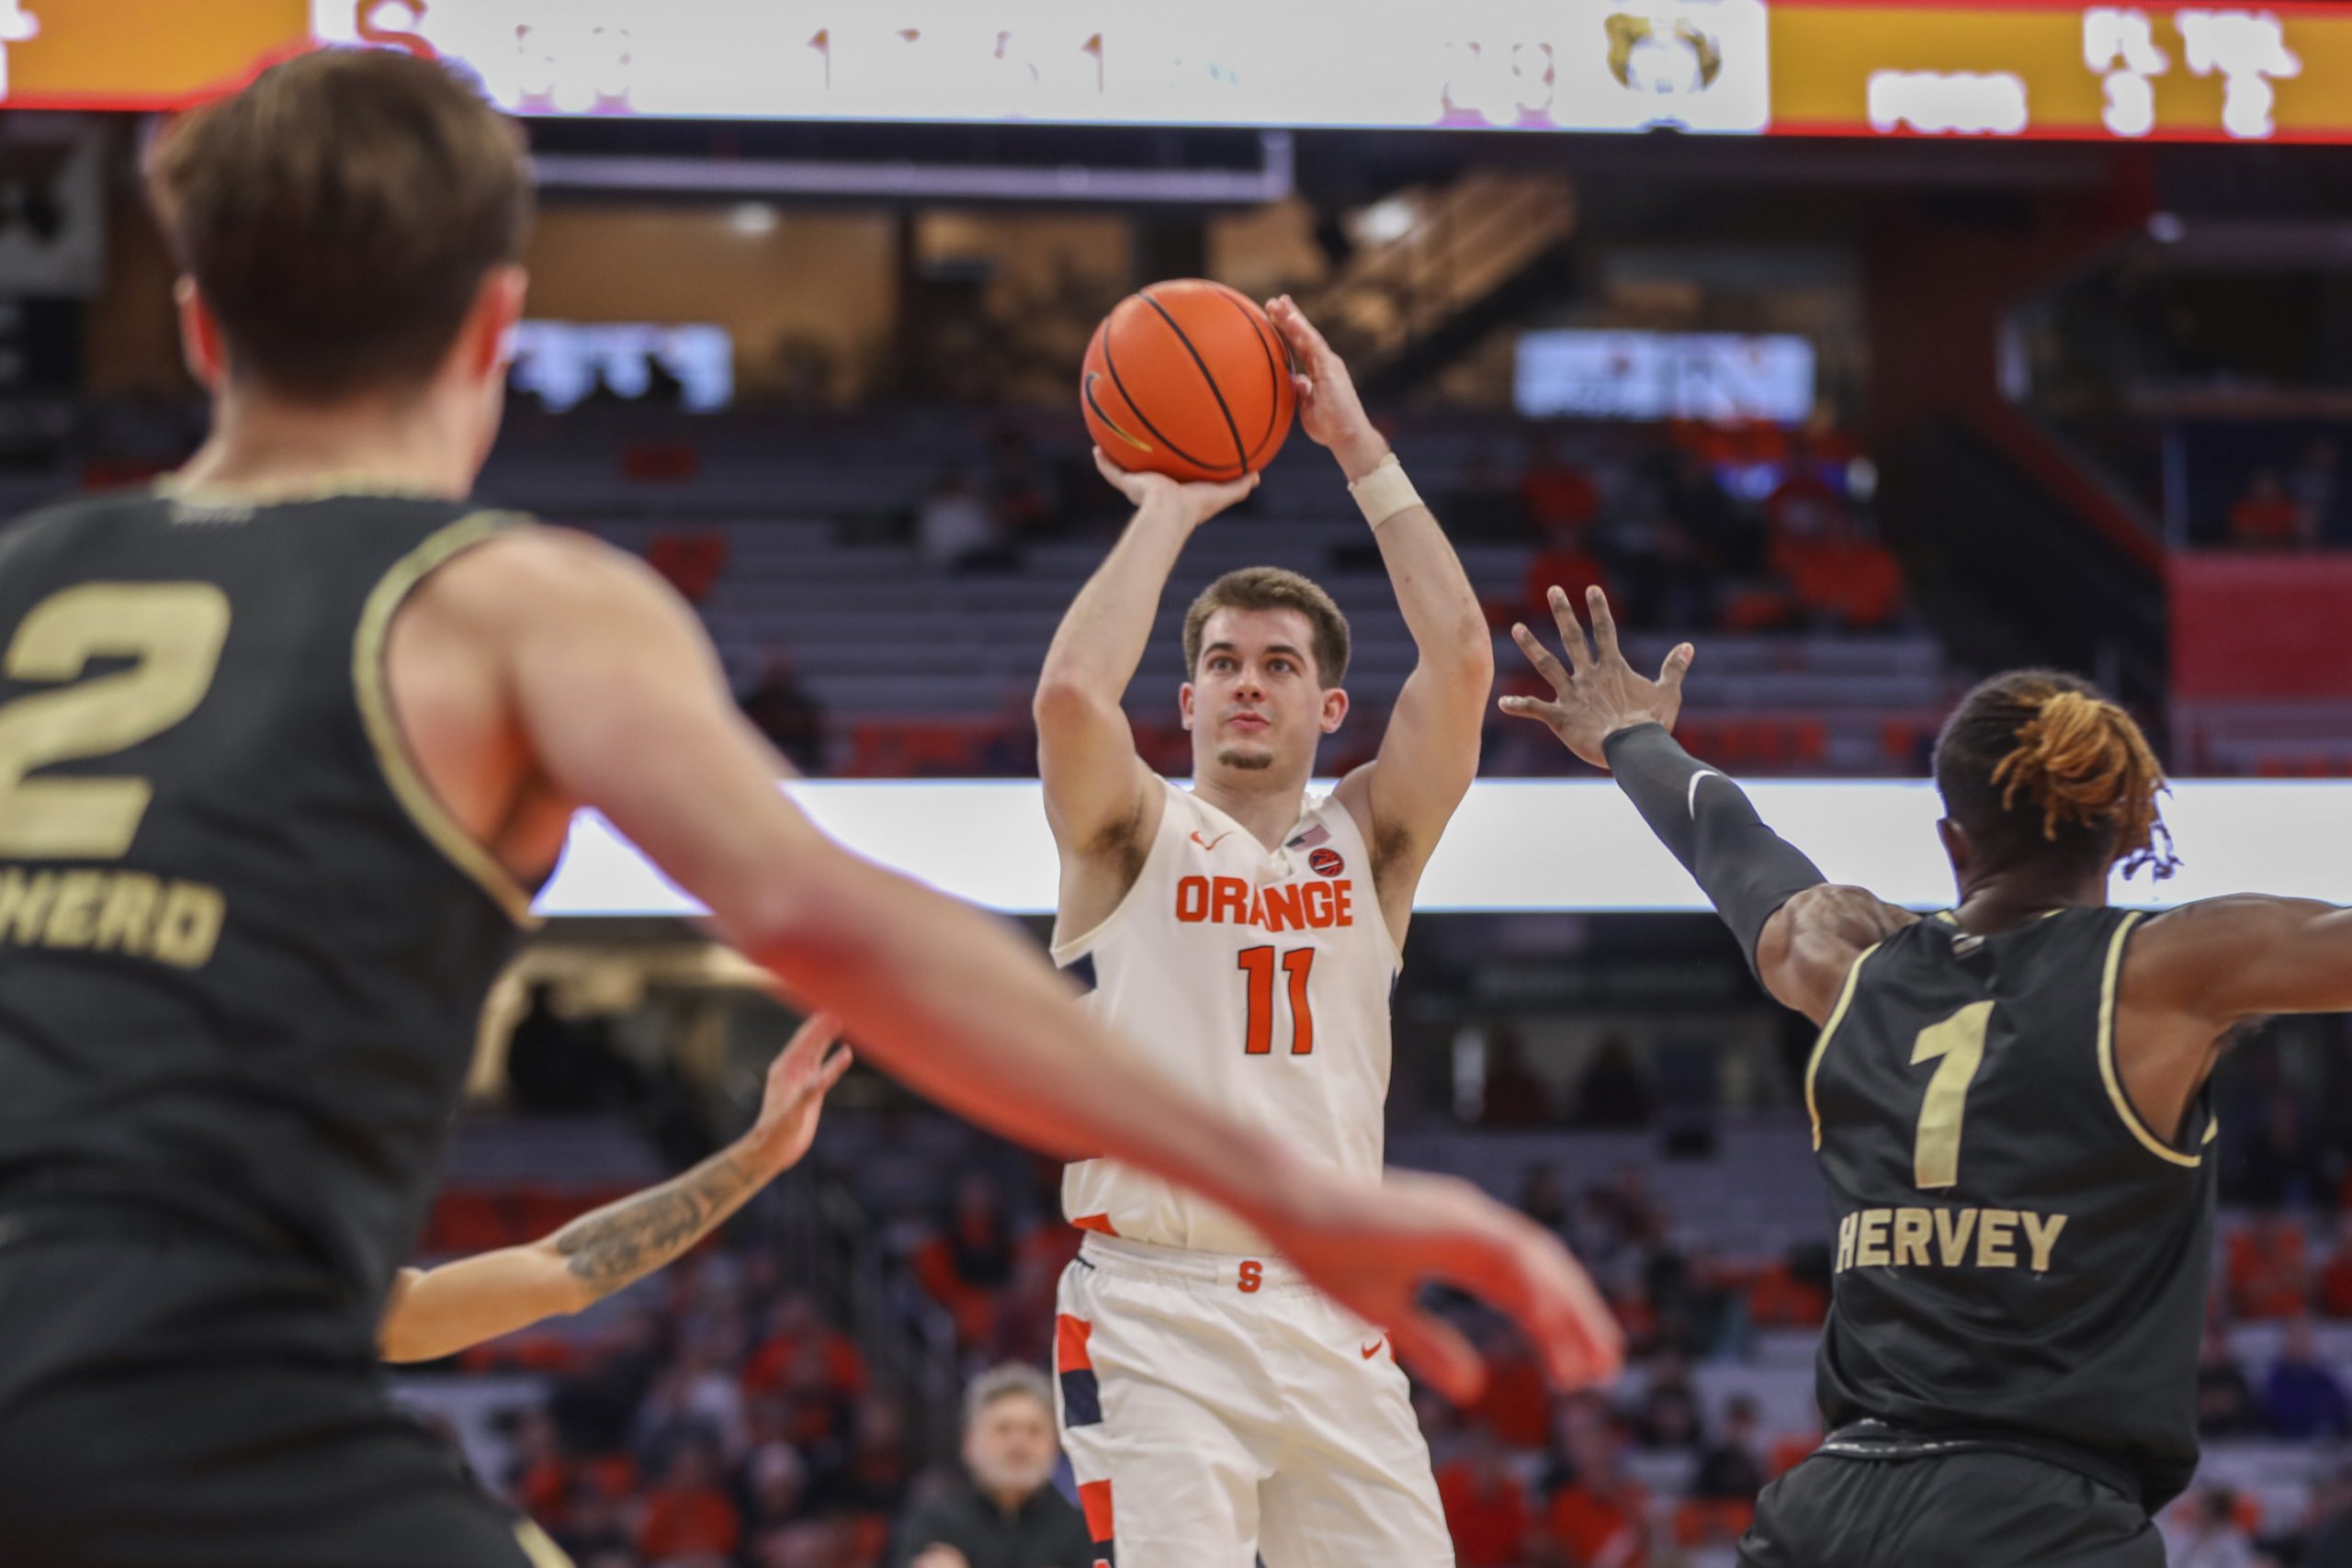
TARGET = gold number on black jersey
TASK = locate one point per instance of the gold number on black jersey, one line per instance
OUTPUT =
(173, 633)
(1957, 1047)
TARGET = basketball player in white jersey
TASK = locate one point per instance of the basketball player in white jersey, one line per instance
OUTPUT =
(1248, 934)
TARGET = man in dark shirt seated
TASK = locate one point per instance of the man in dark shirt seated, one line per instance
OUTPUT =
(1004, 1513)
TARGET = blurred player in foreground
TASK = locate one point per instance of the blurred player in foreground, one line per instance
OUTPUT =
(2010, 1102)
(433, 1312)
(285, 744)
(1248, 934)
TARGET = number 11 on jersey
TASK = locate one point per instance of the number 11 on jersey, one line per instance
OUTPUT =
(1258, 963)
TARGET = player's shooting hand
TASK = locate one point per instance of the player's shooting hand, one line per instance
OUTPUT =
(1371, 1248)
(1197, 502)
(796, 1093)
(1329, 410)
(1601, 695)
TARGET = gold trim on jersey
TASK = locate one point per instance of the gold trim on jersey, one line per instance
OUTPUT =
(2107, 1072)
(542, 1553)
(369, 685)
(322, 487)
(1821, 1046)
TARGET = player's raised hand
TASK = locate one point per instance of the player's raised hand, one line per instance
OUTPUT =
(1198, 501)
(798, 1081)
(1602, 695)
(1329, 410)
(1371, 1248)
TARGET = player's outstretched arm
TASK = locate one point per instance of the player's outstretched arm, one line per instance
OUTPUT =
(618, 697)
(1800, 935)
(1096, 787)
(2247, 955)
(1404, 797)
(434, 1313)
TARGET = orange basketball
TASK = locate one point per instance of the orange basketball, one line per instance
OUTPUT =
(1189, 380)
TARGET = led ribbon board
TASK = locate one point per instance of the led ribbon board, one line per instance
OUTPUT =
(1532, 845)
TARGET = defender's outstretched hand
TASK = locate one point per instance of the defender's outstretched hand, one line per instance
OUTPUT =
(1371, 1248)
(1601, 695)
(1199, 500)
(797, 1081)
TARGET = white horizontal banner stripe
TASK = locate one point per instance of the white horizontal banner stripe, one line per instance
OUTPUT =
(1548, 845)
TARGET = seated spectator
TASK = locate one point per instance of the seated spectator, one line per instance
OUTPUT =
(2303, 1397)
(2210, 1535)
(782, 708)
(2269, 1274)
(2266, 518)
(1559, 498)
(1567, 567)
(2316, 487)
(595, 1526)
(796, 1325)
(1486, 1505)
(1612, 1093)
(2336, 1280)
(690, 561)
(1601, 1515)
(1845, 581)
(540, 1480)
(956, 532)
(1543, 1198)
(1515, 1405)
(1020, 497)
(2328, 1543)
(1003, 1511)
(1668, 1417)
(1514, 1095)
(689, 1522)
(1732, 1468)
(2225, 1406)
(869, 1482)
(776, 1487)
(970, 1259)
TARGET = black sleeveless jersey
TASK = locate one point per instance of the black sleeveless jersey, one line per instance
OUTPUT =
(2020, 1261)
(242, 950)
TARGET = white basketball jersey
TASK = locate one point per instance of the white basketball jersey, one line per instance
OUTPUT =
(1257, 974)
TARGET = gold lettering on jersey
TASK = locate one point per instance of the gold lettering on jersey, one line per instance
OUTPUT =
(1864, 1238)
(1912, 1228)
(1996, 1233)
(1953, 1227)
(130, 912)
(1870, 1241)
(1295, 905)
(2041, 1235)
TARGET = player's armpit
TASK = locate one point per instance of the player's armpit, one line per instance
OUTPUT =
(2226, 960)
(1810, 944)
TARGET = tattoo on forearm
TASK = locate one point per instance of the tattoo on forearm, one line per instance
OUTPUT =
(623, 1241)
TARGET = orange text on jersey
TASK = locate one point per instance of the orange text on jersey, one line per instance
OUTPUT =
(1293, 906)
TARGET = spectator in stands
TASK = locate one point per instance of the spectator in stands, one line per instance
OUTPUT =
(794, 1325)
(689, 1522)
(1732, 1468)
(1515, 1405)
(1002, 1512)
(1514, 1095)
(1805, 507)
(2268, 1271)
(1544, 1197)
(1600, 1516)
(1668, 1417)
(2266, 518)
(2303, 1397)
(775, 1495)
(2284, 1166)
(970, 1259)
(540, 1478)
(2225, 1405)
(2328, 1541)
(2211, 1537)
(2336, 1280)
(595, 1526)
(2316, 487)
(782, 707)
(1612, 1093)
(1485, 1504)
(1559, 497)
(956, 532)
(1020, 498)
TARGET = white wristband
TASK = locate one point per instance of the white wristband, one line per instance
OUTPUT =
(1386, 492)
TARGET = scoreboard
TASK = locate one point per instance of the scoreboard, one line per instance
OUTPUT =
(2165, 70)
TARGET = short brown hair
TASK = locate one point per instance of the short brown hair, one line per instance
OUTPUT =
(1273, 588)
(339, 215)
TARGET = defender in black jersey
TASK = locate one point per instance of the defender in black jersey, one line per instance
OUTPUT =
(2009, 1100)
(284, 745)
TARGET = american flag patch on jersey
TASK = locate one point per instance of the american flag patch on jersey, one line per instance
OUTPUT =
(1314, 837)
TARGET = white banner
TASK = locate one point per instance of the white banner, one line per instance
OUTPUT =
(1534, 845)
(1532, 64)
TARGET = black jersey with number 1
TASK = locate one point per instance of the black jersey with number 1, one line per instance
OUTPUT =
(2021, 1262)
(242, 950)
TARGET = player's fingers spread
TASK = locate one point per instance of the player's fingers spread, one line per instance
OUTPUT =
(1540, 657)
(1436, 1352)
(1677, 665)
(1563, 615)
(1604, 624)
(834, 1067)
